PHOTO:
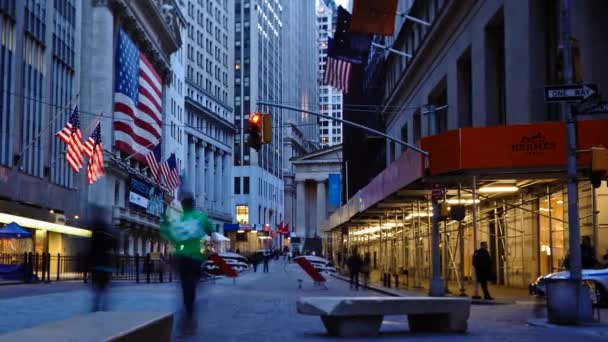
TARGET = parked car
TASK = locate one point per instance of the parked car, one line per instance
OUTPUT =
(320, 264)
(599, 277)
(238, 262)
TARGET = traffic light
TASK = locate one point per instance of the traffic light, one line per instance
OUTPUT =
(255, 131)
(266, 128)
(599, 165)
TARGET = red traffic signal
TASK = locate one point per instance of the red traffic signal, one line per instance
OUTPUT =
(255, 119)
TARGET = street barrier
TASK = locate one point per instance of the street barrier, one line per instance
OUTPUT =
(316, 277)
(224, 267)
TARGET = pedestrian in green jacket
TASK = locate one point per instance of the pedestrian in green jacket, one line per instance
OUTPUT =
(186, 231)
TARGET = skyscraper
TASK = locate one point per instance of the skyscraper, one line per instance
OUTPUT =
(208, 106)
(258, 187)
(330, 98)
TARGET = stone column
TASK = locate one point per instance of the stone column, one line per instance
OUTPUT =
(210, 177)
(300, 208)
(321, 204)
(200, 176)
(218, 180)
(227, 182)
(191, 164)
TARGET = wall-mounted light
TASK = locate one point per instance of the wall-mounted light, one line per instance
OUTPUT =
(76, 217)
(51, 211)
(498, 189)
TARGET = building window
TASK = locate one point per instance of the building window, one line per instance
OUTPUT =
(242, 214)
(237, 185)
(246, 185)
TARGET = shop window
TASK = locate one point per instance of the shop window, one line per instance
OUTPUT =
(242, 214)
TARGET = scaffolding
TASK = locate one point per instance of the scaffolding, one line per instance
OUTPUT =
(525, 233)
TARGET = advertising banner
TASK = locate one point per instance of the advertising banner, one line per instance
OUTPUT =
(335, 189)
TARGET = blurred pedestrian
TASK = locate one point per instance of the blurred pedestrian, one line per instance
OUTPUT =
(365, 269)
(266, 261)
(100, 257)
(482, 261)
(185, 233)
(354, 267)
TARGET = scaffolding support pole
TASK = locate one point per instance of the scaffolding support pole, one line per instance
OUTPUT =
(594, 212)
(461, 250)
(550, 254)
(475, 284)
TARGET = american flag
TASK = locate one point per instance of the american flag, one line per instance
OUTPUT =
(94, 150)
(137, 101)
(153, 158)
(168, 170)
(338, 73)
(71, 135)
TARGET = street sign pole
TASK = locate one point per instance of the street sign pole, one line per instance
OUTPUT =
(436, 288)
(573, 215)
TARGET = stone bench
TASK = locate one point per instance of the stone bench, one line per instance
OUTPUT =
(101, 326)
(355, 316)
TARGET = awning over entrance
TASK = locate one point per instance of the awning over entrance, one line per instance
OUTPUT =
(513, 150)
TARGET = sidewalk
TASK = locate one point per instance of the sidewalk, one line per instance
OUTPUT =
(501, 294)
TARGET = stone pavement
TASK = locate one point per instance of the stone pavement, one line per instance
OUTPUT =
(261, 307)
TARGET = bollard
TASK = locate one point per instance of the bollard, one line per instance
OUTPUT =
(43, 266)
(48, 268)
(137, 268)
(58, 265)
(35, 262)
(26, 272)
(148, 267)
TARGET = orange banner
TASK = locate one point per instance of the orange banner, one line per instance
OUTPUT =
(514, 146)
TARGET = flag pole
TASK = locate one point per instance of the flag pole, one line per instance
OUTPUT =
(131, 156)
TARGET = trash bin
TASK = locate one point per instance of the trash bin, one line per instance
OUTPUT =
(561, 302)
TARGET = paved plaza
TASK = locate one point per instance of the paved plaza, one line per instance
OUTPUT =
(261, 307)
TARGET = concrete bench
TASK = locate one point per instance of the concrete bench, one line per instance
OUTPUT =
(101, 326)
(355, 316)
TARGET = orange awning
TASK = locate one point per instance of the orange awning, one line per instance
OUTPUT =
(528, 146)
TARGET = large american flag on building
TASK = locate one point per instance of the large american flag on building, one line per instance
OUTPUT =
(72, 136)
(137, 101)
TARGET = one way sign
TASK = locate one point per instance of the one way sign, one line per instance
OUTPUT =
(571, 92)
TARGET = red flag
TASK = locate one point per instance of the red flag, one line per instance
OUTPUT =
(374, 16)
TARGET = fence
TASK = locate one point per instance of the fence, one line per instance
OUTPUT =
(44, 267)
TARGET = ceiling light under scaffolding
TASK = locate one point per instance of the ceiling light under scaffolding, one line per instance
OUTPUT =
(498, 189)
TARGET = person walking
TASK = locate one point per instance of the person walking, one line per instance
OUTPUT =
(354, 267)
(255, 260)
(185, 231)
(100, 258)
(266, 261)
(482, 262)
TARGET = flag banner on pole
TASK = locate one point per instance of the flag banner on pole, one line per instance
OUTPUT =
(137, 101)
(94, 150)
(169, 173)
(72, 136)
(337, 72)
(153, 159)
(374, 17)
(348, 46)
